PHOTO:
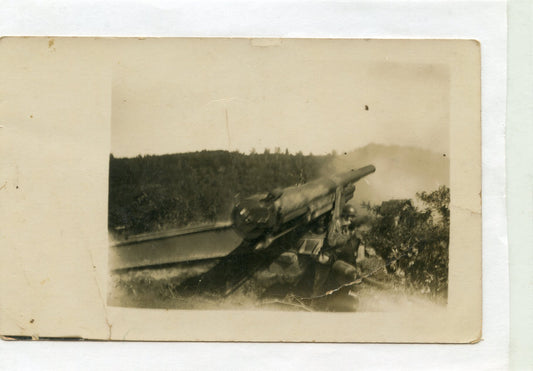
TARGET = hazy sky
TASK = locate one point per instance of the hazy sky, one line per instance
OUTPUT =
(193, 94)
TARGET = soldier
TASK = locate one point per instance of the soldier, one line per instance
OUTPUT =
(340, 254)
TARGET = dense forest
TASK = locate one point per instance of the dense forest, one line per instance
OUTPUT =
(151, 193)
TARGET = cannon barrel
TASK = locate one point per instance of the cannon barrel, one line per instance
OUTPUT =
(270, 213)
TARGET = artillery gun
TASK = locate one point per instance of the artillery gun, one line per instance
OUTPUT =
(262, 218)
(270, 222)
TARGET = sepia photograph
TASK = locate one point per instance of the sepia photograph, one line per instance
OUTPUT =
(279, 175)
(240, 189)
(305, 185)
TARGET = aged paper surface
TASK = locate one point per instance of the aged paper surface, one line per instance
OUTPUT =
(64, 107)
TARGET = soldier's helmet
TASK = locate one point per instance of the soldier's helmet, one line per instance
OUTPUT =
(348, 211)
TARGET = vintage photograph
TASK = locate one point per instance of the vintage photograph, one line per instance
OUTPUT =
(237, 189)
(236, 194)
(280, 175)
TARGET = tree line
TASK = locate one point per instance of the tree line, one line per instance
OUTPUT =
(151, 193)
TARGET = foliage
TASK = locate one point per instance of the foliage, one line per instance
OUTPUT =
(413, 240)
(150, 193)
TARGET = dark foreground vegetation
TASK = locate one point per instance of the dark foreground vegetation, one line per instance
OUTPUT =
(414, 240)
(151, 193)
